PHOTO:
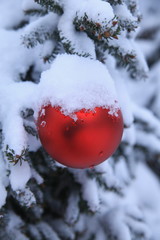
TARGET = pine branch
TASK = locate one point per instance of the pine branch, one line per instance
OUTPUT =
(102, 183)
(128, 25)
(95, 30)
(28, 112)
(1, 137)
(64, 231)
(35, 12)
(127, 57)
(25, 197)
(30, 130)
(123, 58)
(114, 2)
(12, 157)
(47, 231)
(57, 50)
(72, 210)
(40, 30)
(133, 7)
(51, 5)
(40, 35)
(33, 232)
(52, 49)
(126, 19)
(70, 48)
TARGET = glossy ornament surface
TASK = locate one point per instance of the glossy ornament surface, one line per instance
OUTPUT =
(83, 143)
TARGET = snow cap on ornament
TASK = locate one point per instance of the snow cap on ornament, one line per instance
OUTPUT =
(79, 120)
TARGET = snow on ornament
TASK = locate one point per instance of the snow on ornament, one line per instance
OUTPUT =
(83, 121)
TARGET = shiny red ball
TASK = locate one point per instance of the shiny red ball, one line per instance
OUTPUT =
(83, 143)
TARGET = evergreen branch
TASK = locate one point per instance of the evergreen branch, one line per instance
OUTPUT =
(33, 232)
(127, 59)
(95, 30)
(129, 25)
(114, 2)
(15, 158)
(39, 35)
(99, 178)
(63, 230)
(35, 12)
(47, 231)
(84, 208)
(24, 197)
(58, 49)
(132, 6)
(28, 112)
(100, 54)
(136, 72)
(51, 5)
(1, 136)
(123, 58)
(69, 47)
(31, 130)
(40, 30)
(20, 25)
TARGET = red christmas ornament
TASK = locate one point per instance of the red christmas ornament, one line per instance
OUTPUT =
(83, 143)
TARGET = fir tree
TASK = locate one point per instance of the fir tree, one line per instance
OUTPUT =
(41, 199)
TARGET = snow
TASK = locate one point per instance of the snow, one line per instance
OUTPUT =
(47, 231)
(80, 83)
(146, 191)
(19, 176)
(32, 142)
(13, 54)
(142, 61)
(11, 13)
(3, 195)
(148, 140)
(155, 80)
(25, 197)
(72, 212)
(14, 224)
(89, 189)
(3, 182)
(135, 90)
(47, 48)
(122, 91)
(137, 210)
(129, 135)
(151, 12)
(36, 176)
(63, 230)
(30, 4)
(123, 13)
(101, 11)
(147, 47)
(79, 41)
(125, 101)
(40, 28)
(16, 98)
(148, 117)
(123, 43)
(126, 46)
(121, 173)
(107, 173)
(115, 225)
